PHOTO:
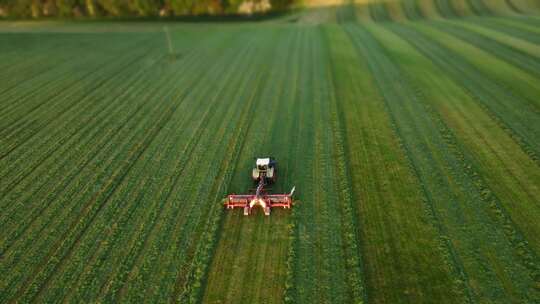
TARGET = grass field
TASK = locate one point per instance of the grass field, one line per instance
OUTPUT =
(411, 130)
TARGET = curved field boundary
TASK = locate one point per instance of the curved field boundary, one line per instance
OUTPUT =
(530, 7)
(500, 7)
(507, 76)
(522, 50)
(510, 28)
(496, 99)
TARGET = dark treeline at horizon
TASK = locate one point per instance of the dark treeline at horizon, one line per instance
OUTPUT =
(135, 8)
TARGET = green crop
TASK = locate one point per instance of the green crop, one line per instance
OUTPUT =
(410, 129)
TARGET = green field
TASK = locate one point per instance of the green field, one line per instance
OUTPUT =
(411, 130)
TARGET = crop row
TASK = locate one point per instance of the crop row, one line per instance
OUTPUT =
(397, 10)
(107, 175)
(170, 229)
(455, 190)
(51, 174)
(383, 190)
(37, 91)
(249, 249)
(135, 119)
(513, 111)
(119, 217)
(201, 210)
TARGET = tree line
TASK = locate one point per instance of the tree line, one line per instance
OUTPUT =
(135, 8)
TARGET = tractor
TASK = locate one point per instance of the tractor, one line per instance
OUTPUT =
(263, 174)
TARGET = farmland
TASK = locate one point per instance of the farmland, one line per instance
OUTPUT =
(411, 130)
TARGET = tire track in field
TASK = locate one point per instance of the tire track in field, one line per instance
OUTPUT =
(461, 8)
(428, 9)
(479, 8)
(508, 77)
(321, 265)
(378, 12)
(395, 10)
(303, 266)
(514, 7)
(298, 163)
(291, 292)
(292, 166)
(184, 280)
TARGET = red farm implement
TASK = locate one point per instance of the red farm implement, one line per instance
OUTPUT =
(264, 173)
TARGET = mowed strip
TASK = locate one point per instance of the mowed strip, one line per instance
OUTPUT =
(393, 218)
(146, 195)
(249, 263)
(88, 171)
(442, 152)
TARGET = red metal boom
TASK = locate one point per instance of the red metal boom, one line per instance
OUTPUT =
(259, 198)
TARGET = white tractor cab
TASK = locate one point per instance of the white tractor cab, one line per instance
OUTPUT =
(264, 168)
